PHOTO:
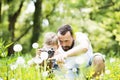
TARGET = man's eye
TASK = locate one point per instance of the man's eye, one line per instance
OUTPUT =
(61, 41)
(66, 40)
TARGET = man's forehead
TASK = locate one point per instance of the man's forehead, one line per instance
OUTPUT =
(66, 34)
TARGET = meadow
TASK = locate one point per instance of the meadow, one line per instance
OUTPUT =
(17, 68)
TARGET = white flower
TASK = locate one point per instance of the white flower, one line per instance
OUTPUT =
(35, 45)
(12, 79)
(112, 60)
(17, 48)
(44, 55)
(45, 74)
(45, 22)
(37, 60)
(74, 69)
(1, 78)
(13, 66)
(107, 71)
(30, 62)
(20, 61)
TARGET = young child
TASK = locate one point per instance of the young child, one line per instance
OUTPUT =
(50, 45)
(50, 42)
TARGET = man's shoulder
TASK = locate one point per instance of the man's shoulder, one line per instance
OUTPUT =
(80, 35)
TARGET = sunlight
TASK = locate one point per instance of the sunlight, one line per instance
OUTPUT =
(45, 22)
(30, 8)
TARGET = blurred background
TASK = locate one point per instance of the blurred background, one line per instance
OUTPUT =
(24, 22)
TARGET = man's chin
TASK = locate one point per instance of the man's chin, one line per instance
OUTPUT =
(65, 49)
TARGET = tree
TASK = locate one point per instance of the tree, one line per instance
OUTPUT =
(11, 27)
(0, 11)
(107, 14)
(37, 28)
(98, 19)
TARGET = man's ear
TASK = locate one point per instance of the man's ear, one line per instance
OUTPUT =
(57, 46)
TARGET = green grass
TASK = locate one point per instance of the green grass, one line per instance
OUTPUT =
(9, 70)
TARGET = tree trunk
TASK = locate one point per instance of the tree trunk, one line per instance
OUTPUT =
(0, 11)
(37, 28)
(11, 27)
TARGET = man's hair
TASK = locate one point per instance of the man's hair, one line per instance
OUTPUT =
(64, 29)
(50, 38)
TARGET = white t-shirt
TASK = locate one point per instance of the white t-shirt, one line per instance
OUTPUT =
(75, 61)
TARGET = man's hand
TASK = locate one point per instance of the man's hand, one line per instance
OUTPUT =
(60, 58)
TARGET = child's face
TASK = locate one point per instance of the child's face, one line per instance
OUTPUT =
(54, 46)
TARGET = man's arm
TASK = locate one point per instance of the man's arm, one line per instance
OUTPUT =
(81, 48)
(78, 50)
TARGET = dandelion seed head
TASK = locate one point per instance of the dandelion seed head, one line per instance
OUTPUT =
(44, 55)
(13, 66)
(20, 61)
(12, 79)
(107, 71)
(17, 48)
(30, 62)
(35, 45)
(45, 74)
(37, 60)
(1, 78)
(74, 69)
(112, 60)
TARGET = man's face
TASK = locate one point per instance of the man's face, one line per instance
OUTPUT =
(66, 41)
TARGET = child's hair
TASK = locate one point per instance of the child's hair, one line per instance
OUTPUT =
(50, 38)
(50, 41)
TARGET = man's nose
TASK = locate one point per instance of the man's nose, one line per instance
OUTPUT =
(63, 44)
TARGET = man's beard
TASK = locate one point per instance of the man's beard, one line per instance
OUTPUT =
(66, 48)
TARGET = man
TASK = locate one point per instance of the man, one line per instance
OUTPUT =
(74, 48)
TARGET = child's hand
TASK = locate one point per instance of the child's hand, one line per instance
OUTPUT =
(38, 52)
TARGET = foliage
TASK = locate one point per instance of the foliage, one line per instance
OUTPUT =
(3, 48)
(19, 69)
(98, 19)
(106, 14)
